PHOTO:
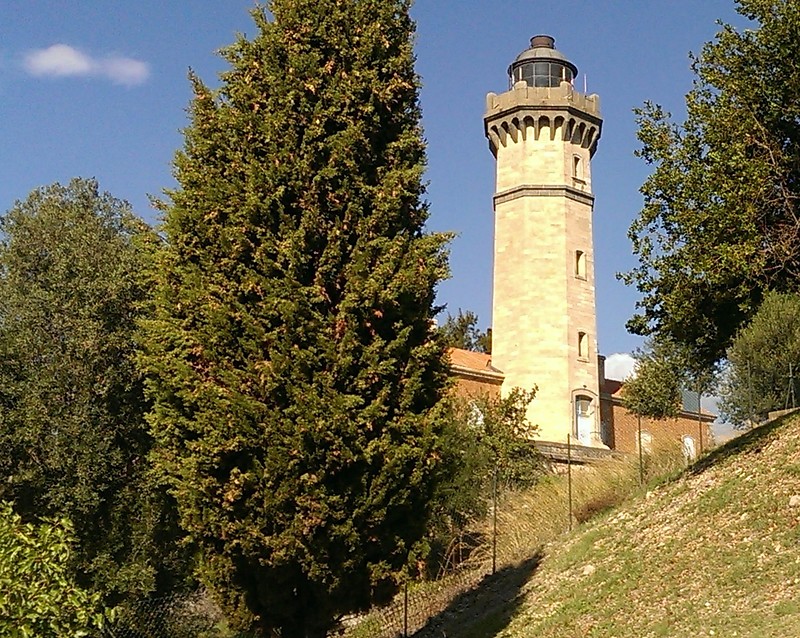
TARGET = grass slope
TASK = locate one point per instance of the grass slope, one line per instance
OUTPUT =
(715, 552)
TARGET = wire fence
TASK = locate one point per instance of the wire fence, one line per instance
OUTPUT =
(517, 526)
(195, 615)
(191, 615)
(415, 605)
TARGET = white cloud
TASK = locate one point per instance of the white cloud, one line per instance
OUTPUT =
(620, 366)
(61, 60)
(125, 70)
(58, 60)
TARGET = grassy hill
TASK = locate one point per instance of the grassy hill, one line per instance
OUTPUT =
(714, 552)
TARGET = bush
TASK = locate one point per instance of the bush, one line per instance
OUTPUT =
(487, 439)
(763, 362)
(39, 597)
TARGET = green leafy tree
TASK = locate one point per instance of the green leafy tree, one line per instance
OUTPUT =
(720, 220)
(764, 362)
(655, 391)
(665, 370)
(295, 374)
(73, 281)
(40, 598)
(504, 432)
(462, 331)
(487, 439)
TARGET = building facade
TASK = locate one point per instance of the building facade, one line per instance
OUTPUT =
(543, 134)
(474, 374)
(625, 432)
(620, 430)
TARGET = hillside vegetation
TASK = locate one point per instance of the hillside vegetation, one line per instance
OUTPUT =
(714, 552)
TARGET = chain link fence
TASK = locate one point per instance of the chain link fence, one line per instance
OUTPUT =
(192, 615)
(413, 608)
(519, 523)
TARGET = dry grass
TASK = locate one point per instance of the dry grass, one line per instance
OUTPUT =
(527, 521)
(714, 552)
(533, 518)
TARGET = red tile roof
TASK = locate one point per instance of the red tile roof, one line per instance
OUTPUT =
(472, 360)
(612, 387)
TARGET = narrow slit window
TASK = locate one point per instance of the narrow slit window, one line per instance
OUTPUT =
(580, 264)
(576, 167)
(583, 345)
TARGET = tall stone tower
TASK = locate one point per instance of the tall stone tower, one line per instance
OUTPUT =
(543, 134)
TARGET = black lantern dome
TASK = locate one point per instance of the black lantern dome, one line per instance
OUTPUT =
(541, 65)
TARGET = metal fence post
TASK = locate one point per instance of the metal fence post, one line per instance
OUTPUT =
(750, 395)
(494, 521)
(569, 478)
(405, 609)
(700, 414)
(641, 453)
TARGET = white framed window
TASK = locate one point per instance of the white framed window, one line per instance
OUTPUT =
(584, 419)
(689, 449)
(646, 442)
(475, 416)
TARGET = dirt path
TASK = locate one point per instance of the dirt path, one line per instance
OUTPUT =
(487, 607)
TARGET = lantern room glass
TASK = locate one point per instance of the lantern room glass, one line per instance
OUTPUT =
(542, 73)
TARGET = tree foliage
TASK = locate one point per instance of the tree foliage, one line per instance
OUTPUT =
(73, 282)
(486, 439)
(764, 362)
(502, 429)
(462, 332)
(655, 390)
(665, 371)
(295, 374)
(720, 223)
(40, 598)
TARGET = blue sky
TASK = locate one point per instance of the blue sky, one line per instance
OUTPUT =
(98, 88)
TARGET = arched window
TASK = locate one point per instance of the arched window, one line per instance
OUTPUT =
(580, 264)
(584, 419)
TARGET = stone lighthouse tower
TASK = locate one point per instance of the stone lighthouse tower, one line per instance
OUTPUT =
(543, 134)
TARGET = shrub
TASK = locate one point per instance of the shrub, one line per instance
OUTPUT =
(39, 597)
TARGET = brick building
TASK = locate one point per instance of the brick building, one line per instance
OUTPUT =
(474, 374)
(692, 427)
(619, 430)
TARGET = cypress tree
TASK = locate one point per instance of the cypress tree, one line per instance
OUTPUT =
(295, 374)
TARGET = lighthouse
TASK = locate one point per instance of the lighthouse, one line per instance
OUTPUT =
(543, 134)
